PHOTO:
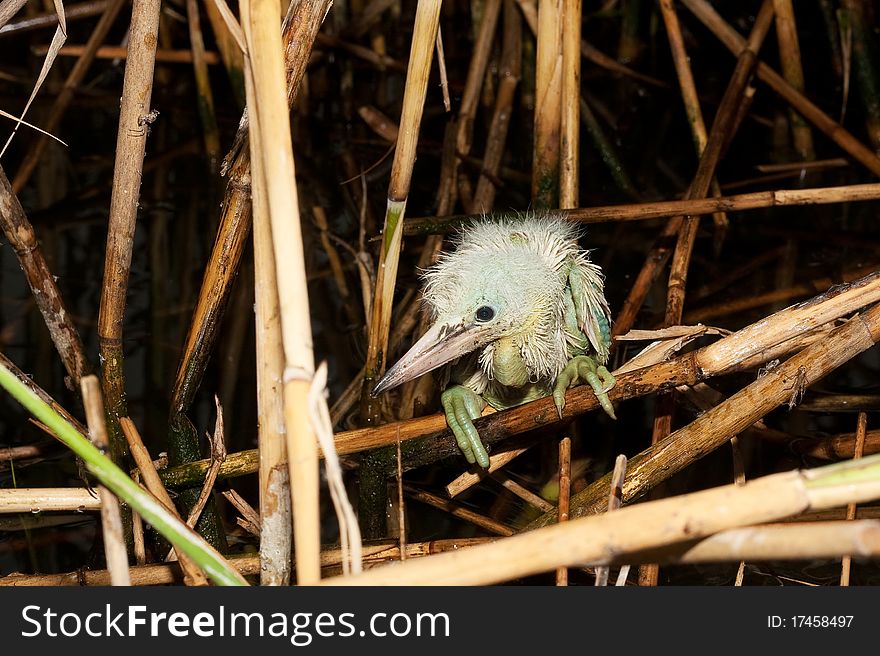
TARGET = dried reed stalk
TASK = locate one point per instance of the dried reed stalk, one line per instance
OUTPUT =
(838, 447)
(597, 539)
(688, 91)
(421, 52)
(44, 499)
(569, 155)
(666, 208)
(706, 14)
(509, 72)
(269, 101)
(275, 520)
(457, 510)
(859, 451)
(134, 122)
(548, 111)
(474, 82)
(300, 27)
(163, 55)
(793, 71)
(111, 519)
(230, 53)
(205, 104)
(564, 497)
(47, 297)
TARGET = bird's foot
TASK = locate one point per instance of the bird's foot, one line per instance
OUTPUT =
(583, 368)
(462, 406)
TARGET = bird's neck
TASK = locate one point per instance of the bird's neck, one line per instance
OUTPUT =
(508, 367)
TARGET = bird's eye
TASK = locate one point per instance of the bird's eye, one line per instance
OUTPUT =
(485, 313)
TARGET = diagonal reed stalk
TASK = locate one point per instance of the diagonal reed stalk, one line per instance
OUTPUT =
(116, 480)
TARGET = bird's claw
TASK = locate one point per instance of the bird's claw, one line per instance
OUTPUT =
(462, 406)
(583, 368)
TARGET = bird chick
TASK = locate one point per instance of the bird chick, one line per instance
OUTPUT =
(519, 311)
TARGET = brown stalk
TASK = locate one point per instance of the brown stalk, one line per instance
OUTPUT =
(752, 345)
(46, 499)
(569, 156)
(62, 102)
(205, 104)
(20, 233)
(459, 511)
(72, 12)
(689, 92)
(193, 575)
(111, 519)
(163, 55)
(793, 72)
(135, 118)
(859, 451)
(548, 111)
(828, 126)
(509, 73)
(838, 447)
(564, 496)
(667, 208)
(230, 53)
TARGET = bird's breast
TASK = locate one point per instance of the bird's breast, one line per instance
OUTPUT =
(508, 366)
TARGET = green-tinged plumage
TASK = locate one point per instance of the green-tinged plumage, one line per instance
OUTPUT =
(520, 312)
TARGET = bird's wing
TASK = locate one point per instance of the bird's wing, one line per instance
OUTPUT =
(593, 314)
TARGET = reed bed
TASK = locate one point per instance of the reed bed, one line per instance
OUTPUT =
(200, 288)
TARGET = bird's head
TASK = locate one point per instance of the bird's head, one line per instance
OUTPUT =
(505, 279)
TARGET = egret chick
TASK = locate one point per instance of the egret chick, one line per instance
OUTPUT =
(519, 311)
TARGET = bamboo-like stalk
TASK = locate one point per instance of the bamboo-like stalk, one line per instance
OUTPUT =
(300, 27)
(20, 233)
(717, 426)
(62, 102)
(268, 100)
(205, 97)
(859, 451)
(111, 519)
(275, 520)
(421, 52)
(707, 15)
(793, 72)
(666, 208)
(47, 499)
(564, 497)
(509, 73)
(569, 155)
(644, 526)
(548, 111)
(131, 139)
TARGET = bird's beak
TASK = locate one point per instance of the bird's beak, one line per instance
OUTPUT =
(442, 343)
